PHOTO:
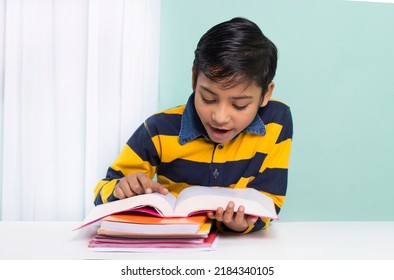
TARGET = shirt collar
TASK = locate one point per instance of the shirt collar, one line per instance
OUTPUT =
(192, 128)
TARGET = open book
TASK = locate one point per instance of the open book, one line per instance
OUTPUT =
(192, 200)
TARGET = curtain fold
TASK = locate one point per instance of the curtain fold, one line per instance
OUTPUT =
(79, 77)
(2, 29)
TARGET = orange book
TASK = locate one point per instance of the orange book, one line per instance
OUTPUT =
(142, 223)
(141, 218)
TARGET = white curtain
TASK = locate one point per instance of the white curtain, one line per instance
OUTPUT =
(77, 77)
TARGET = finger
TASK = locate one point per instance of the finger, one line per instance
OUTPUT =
(145, 182)
(219, 214)
(229, 213)
(118, 192)
(251, 220)
(211, 215)
(140, 183)
(124, 186)
(156, 187)
(240, 216)
(149, 186)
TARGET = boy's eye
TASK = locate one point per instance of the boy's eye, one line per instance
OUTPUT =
(240, 107)
(207, 101)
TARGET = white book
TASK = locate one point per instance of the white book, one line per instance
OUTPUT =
(191, 200)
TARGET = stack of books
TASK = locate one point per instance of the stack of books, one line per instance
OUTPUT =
(140, 232)
(154, 222)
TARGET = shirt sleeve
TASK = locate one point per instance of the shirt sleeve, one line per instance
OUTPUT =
(138, 155)
(272, 177)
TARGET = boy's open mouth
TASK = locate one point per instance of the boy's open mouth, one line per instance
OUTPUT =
(219, 134)
(218, 130)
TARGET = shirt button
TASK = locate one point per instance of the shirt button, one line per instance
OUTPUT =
(215, 173)
(220, 146)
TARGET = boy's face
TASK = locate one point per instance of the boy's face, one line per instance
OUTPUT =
(225, 112)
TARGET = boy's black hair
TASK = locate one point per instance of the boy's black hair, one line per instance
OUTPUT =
(235, 52)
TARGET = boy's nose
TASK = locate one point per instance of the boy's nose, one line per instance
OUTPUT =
(220, 115)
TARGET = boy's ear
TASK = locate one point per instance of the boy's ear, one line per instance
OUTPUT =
(268, 94)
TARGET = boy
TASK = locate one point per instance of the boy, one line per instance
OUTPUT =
(229, 134)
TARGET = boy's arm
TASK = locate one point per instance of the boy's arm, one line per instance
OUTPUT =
(139, 155)
(273, 174)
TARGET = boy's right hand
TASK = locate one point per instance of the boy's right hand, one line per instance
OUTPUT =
(135, 184)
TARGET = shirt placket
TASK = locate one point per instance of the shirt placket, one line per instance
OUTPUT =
(216, 169)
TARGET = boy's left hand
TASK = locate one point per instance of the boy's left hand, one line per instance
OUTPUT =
(237, 221)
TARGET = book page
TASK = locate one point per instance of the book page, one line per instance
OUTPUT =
(199, 198)
(164, 205)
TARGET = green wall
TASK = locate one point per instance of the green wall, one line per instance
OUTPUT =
(336, 71)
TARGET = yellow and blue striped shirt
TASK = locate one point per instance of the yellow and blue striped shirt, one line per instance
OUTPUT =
(174, 145)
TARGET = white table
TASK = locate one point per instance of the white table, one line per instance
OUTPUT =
(282, 241)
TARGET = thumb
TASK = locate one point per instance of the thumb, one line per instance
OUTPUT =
(251, 220)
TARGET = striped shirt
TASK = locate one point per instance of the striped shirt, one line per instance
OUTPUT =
(174, 146)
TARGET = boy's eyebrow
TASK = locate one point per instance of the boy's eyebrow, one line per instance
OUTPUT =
(242, 97)
(208, 90)
(235, 97)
